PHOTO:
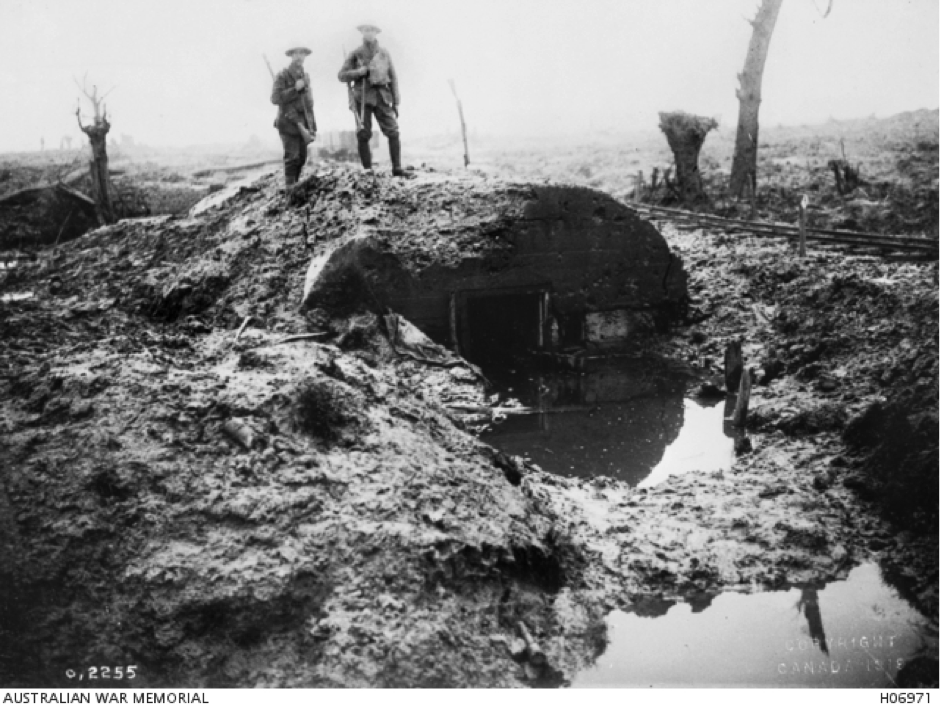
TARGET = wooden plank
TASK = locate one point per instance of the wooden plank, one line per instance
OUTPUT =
(234, 168)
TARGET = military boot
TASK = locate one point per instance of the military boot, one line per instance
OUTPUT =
(394, 152)
(365, 154)
(290, 182)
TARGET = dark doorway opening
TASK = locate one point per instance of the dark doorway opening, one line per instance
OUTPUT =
(499, 328)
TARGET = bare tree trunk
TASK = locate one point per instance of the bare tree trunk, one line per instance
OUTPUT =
(744, 164)
(97, 133)
(98, 167)
(686, 135)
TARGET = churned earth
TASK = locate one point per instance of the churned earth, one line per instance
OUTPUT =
(300, 499)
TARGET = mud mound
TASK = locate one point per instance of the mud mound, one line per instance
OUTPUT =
(899, 449)
(225, 499)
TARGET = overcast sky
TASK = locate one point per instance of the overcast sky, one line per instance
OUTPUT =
(191, 71)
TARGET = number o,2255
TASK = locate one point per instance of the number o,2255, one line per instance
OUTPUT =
(120, 672)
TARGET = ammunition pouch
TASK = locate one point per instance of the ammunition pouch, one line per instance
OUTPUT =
(305, 134)
(380, 70)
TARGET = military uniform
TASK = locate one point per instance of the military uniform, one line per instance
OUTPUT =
(295, 108)
(380, 85)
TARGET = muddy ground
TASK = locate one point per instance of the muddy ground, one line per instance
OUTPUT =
(225, 507)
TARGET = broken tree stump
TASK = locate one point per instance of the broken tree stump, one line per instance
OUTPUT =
(734, 365)
(98, 168)
(739, 418)
(686, 135)
(847, 177)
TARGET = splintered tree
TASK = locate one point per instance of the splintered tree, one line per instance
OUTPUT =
(686, 134)
(97, 136)
(744, 163)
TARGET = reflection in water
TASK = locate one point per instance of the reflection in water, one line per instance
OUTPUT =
(625, 421)
(809, 604)
(699, 446)
(757, 640)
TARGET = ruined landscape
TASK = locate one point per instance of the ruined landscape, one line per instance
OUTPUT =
(228, 471)
(561, 404)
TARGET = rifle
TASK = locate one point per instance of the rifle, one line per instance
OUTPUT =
(364, 79)
(352, 99)
(304, 133)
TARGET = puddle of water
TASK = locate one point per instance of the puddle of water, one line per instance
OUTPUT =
(857, 633)
(625, 420)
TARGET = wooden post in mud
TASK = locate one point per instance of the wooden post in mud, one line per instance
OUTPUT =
(455, 345)
(739, 418)
(734, 364)
(804, 203)
(463, 124)
(638, 186)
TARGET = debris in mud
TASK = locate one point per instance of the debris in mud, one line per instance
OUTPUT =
(239, 431)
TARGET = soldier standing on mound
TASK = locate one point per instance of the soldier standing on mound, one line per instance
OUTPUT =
(295, 121)
(375, 92)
